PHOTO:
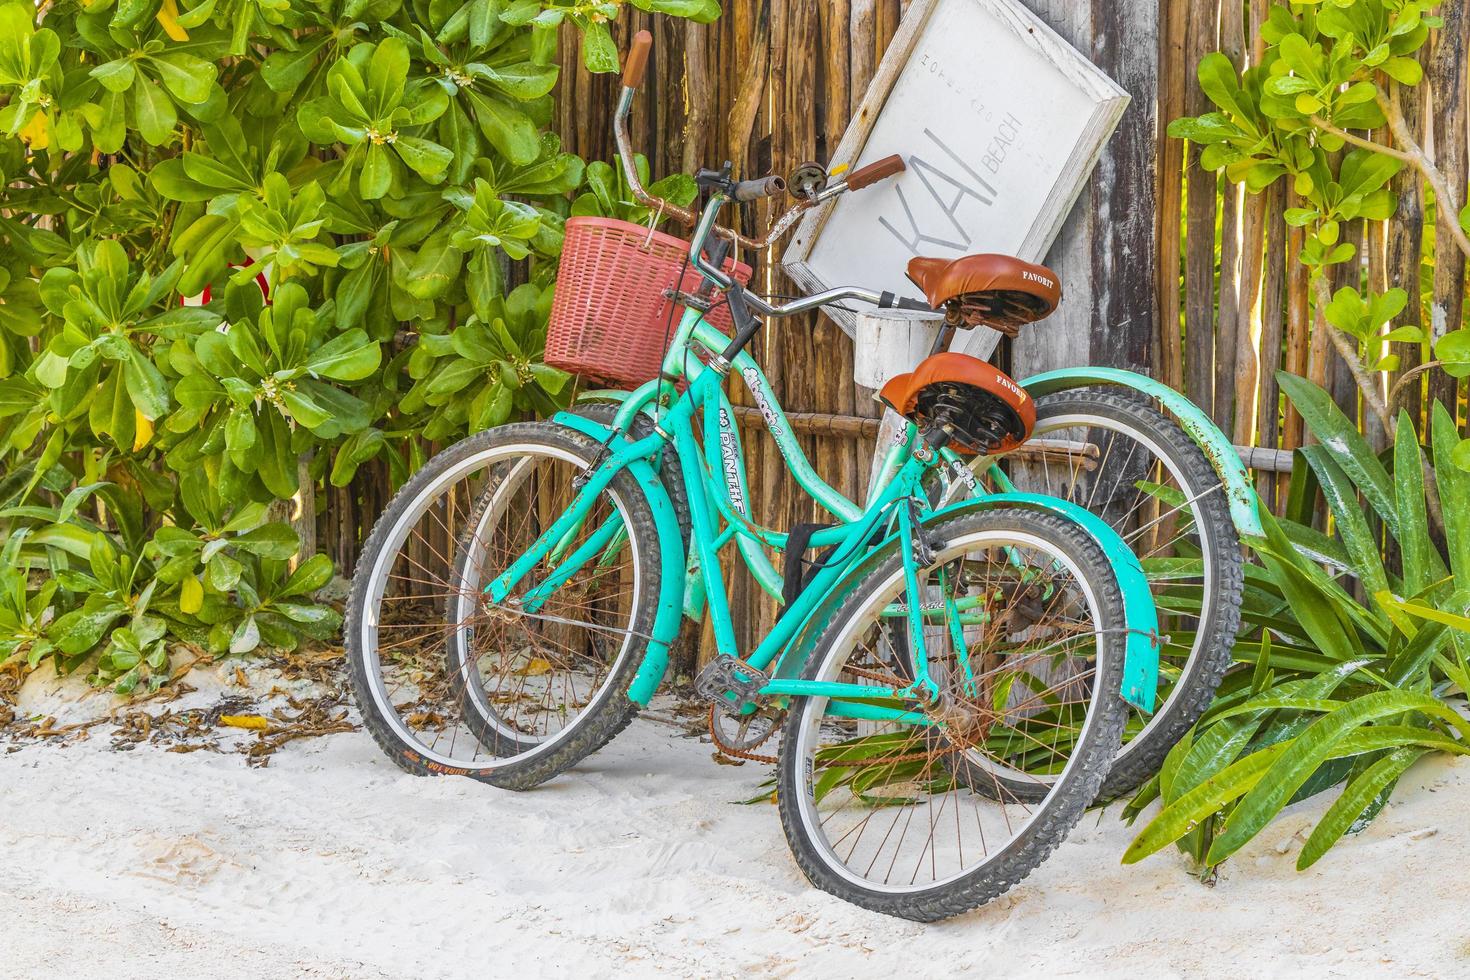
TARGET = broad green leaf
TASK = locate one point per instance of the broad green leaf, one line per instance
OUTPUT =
(1405, 71)
(188, 78)
(435, 269)
(82, 629)
(1422, 564)
(350, 356)
(507, 128)
(599, 53)
(1364, 171)
(425, 158)
(1454, 350)
(377, 172)
(154, 112)
(1341, 438)
(310, 575)
(270, 541)
(386, 72)
(1182, 816)
(146, 385)
(246, 636)
(304, 409)
(1454, 493)
(116, 75)
(1316, 611)
(1351, 524)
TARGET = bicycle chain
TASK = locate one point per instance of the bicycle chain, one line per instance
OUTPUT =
(731, 751)
(747, 755)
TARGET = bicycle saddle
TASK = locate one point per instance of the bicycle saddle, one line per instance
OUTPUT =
(998, 291)
(986, 412)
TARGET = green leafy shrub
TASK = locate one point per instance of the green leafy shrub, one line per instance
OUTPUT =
(1330, 72)
(383, 165)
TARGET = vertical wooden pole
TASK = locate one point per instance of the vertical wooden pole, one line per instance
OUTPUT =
(749, 92)
(1375, 245)
(1202, 37)
(862, 49)
(1404, 251)
(1273, 295)
(1125, 272)
(1173, 70)
(1446, 77)
(1233, 248)
(1067, 340)
(1250, 325)
(699, 96)
(1343, 385)
(1298, 322)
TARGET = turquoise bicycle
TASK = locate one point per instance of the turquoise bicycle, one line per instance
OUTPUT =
(951, 678)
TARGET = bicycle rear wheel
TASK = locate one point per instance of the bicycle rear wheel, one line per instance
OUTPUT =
(1124, 460)
(911, 817)
(514, 692)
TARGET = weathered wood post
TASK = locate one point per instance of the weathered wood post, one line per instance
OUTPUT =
(1107, 255)
(886, 344)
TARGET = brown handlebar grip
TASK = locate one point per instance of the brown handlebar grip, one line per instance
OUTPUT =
(874, 172)
(637, 59)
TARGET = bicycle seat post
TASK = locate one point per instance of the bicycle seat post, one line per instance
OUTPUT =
(953, 319)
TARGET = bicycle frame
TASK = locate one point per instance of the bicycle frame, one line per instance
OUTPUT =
(888, 517)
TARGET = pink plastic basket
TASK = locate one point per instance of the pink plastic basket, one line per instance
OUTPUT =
(610, 314)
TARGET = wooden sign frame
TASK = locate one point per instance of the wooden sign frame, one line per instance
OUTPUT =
(1110, 103)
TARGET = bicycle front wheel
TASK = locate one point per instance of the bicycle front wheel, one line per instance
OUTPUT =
(915, 816)
(510, 692)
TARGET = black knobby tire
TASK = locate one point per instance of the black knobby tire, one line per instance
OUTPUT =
(1143, 755)
(611, 710)
(1068, 798)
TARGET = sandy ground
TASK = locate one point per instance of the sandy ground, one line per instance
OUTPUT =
(333, 863)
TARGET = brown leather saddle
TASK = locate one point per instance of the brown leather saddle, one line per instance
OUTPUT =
(997, 291)
(981, 410)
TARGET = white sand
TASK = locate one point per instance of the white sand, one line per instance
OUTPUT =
(333, 863)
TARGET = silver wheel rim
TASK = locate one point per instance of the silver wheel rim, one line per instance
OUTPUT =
(813, 709)
(367, 635)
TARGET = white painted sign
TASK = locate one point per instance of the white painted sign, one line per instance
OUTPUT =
(1000, 122)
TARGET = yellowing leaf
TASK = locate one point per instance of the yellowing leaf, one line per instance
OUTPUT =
(535, 667)
(252, 722)
(168, 17)
(191, 595)
(142, 430)
(37, 132)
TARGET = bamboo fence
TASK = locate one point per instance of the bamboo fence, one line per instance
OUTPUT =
(773, 83)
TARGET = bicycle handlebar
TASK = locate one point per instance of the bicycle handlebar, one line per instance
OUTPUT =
(637, 59)
(754, 190)
(874, 172)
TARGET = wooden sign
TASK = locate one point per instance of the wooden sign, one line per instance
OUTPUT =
(1000, 122)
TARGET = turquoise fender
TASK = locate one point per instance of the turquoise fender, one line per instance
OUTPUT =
(1140, 615)
(1240, 491)
(1141, 618)
(671, 560)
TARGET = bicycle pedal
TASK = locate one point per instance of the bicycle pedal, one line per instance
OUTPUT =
(730, 684)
